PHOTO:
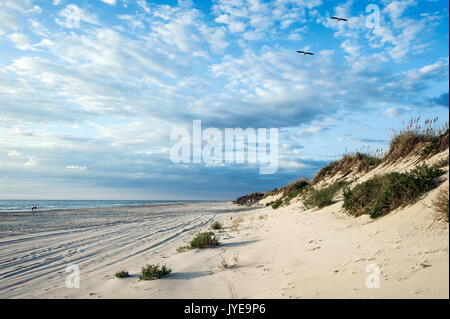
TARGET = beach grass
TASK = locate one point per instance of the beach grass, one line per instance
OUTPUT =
(440, 202)
(216, 225)
(277, 203)
(204, 240)
(152, 272)
(236, 223)
(121, 274)
(382, 194)
(295, 186)
(324, 196)
(225, 264)
(349, 163)
(429, 136)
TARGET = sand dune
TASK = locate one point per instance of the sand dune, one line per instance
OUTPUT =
(289, 252)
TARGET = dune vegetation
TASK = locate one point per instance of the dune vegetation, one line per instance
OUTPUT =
(382, 194)
(324, 196)
(152, 272)
(440, 203)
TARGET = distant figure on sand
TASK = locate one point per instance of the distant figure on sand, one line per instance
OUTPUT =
(34, 207)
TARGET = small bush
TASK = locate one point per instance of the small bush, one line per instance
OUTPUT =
(216, 225)
(151, 272)
(236, 223)
(182, 249)
(382, 194)
(324, 196)
(430, 148)
(203, 240)
(121, 274)
(440, 202)
(277, 203)
(224, 264)
(294, 194)
(292, 187)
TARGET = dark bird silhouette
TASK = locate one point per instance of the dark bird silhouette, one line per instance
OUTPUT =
(305, 53)
(339, 19)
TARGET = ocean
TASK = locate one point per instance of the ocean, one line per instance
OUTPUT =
(25, 205)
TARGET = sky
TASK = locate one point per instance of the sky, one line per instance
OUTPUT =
(90, 91)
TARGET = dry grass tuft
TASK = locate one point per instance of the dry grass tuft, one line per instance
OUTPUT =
(224, 264)
(236, 223)
(440, 202)
(292, 187)
(273, 192)
(425, 139)
(349, 163)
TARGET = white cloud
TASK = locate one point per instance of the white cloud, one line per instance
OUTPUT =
(395, 111)
(21, 41)
(8, 21)
(398, 35)
(14, 154)
(76, 167)
(143, 5)
(35, 9)
(72, 16)
(19, 5)
(31, 162)
(111, 2)
(260, 19)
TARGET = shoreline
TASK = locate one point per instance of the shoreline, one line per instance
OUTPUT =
(169, 203)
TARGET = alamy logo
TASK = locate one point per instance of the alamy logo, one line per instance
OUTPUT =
(208, 146)
(373, 19)
(73, 280)
(373, 280)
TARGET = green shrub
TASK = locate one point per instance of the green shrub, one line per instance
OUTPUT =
(151, 272)
(430, 148)
(216, 225)
(182, 249)
(324, 196)
(277, 203)
(294, 194)
(203, 240)
(292, 187)
(382, 194)
(356, 199)
(121, 274)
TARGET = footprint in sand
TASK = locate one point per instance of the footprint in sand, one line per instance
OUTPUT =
(230, 287)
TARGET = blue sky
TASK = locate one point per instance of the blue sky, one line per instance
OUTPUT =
(90, 90)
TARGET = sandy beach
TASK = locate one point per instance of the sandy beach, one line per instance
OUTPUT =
(284, 253)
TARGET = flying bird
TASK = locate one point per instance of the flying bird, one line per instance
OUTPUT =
(305, 53)
(339, 19)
